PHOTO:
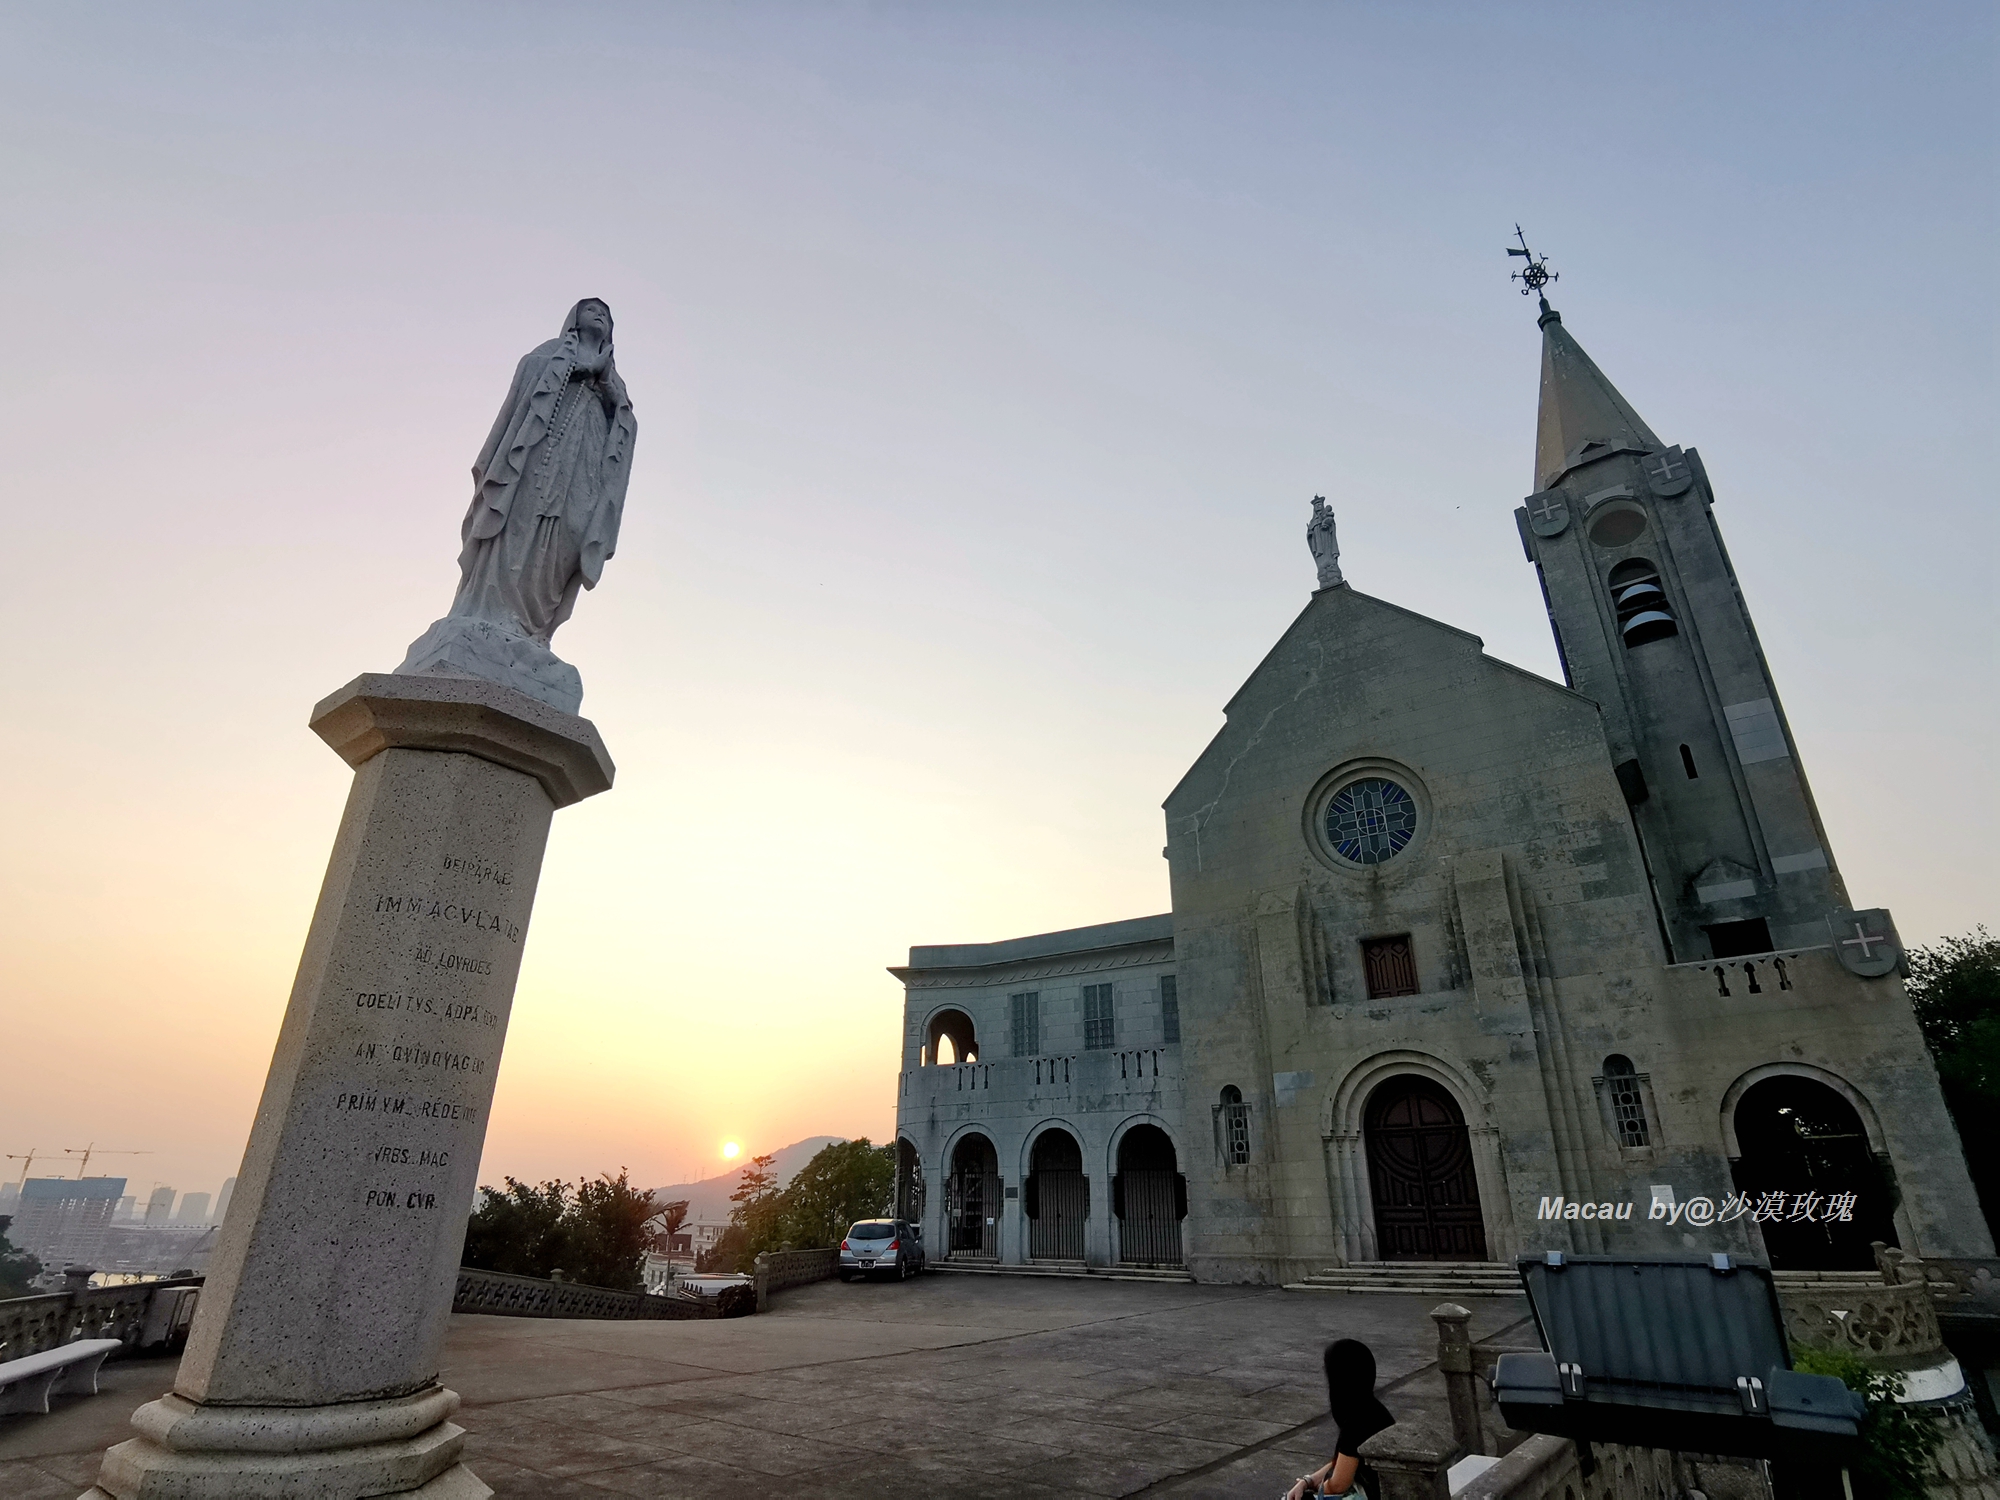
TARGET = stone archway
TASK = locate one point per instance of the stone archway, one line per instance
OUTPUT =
(950, 1032)
(1422, 1179)
(1056, 1197)
(910, 1193)
(1148, 1198)
(972, 1200)
(1799, 1138)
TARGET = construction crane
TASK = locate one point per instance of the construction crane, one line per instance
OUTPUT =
(27, 1162)
(86, 1152)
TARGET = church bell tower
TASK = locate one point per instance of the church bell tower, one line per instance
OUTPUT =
(1651, 623)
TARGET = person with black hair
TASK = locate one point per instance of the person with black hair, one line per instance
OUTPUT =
(1350, 1395)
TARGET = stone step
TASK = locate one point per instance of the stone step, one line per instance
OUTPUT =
(1077, 1269)
(1427, 1278)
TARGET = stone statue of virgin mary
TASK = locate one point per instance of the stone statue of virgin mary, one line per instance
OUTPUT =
(548, 492)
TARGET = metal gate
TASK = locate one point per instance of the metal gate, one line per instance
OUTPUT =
(1149, 1230)
(973, 1201)
(1059, 1209)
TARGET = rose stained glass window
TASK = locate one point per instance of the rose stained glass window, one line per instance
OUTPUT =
(1370, 821)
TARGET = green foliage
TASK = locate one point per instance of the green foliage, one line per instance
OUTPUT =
(520, 1230)
(18, 1269)
(1896, 1444)
(843, 1182)
(593, 1232)
(610, 1228)
(1954, 987)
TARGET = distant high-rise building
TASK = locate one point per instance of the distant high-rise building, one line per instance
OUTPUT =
(10, 1194)
(61, 1220)
(222, 1203)
(193, 1210)
(160, 1207)
(126, 1211)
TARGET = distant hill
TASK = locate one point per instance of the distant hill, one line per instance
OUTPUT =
(708, 1200)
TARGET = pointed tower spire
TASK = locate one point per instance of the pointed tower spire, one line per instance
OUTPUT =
(1582, 415)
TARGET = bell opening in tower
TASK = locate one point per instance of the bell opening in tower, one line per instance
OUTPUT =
(1739, 939)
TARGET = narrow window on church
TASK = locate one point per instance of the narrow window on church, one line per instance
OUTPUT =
(1100, 1030)
(1390, 965)
(1170, 1009)
(1687, 763)
(1644, 613)
(1235, 1126)
(1025, 1022)
(1628, 1108)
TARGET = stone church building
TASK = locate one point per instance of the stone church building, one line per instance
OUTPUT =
(1462, 963)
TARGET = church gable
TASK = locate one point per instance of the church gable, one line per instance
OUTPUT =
(1360, 690)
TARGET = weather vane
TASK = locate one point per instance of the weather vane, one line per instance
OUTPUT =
(1535, 275)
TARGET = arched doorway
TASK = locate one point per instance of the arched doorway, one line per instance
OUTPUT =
(972, 1200)
(909, 1182)
(1802, 1140)
(1057, 1197)
(1420, 1173)
(1149, 1198)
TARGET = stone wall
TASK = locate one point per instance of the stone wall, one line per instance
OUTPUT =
(30, 1325)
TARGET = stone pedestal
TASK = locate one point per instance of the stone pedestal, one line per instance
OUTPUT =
(311, 1370)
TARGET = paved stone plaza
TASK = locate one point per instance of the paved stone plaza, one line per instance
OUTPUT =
(987, 1386)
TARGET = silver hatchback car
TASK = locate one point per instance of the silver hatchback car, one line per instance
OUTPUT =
(881, 1246)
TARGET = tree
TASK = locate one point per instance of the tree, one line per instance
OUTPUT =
(666, 1223)
(521, 1230)
(1954, 987)
(610, 1225)
(842, 1183)
(18, 1269)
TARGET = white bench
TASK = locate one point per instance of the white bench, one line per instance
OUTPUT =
(27, 1383)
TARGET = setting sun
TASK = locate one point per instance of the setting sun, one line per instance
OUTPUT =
(730, 1149)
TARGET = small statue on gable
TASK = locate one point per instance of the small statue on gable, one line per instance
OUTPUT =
(1325, 546)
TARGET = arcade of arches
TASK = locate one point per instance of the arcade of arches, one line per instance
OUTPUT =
(1148, 1198)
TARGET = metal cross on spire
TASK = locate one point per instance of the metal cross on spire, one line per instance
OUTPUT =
(1535, 276)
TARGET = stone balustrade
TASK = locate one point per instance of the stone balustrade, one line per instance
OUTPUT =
(1892, 1327)
(775, 1270)
(30, 1325)
(510, 1296)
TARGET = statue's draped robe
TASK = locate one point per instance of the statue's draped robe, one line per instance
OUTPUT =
(549, 489)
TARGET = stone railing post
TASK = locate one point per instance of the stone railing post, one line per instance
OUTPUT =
(1413, 1459)
(1461, 1394)
(760, 1269)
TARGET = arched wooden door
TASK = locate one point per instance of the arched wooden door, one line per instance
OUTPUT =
(1816, 1191)
(972, 1199)
(1420, 1174)
(1149, 1198)
(1057, 1198)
